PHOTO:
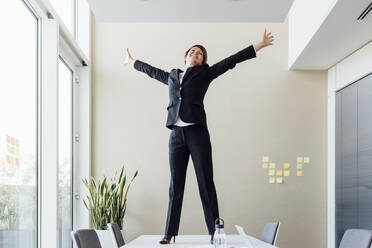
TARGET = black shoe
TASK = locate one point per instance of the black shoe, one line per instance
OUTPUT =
(167, 239)
(212, 239)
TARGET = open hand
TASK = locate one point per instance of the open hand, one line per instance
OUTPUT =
(267, 39)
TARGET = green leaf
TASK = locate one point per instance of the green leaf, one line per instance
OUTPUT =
(107, 199)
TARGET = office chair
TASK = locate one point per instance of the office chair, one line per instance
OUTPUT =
(270, 232)
(86, 238)
(116, 235)
(356, 238)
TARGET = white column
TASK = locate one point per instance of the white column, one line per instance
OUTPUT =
(49, 133)
(331, 157)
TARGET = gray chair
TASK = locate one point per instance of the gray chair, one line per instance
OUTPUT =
(356, 238)
(86, 238)
(270, 232)
(116, 235)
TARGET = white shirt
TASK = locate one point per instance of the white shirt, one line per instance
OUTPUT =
(179, 121)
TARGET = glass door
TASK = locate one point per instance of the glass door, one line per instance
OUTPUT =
(65, 152)
(18, 125)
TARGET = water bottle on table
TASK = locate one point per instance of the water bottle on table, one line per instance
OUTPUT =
(219, 237)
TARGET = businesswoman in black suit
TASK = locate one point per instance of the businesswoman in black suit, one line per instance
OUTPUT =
(187, 120)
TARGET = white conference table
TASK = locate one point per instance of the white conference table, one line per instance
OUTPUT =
(195, 241)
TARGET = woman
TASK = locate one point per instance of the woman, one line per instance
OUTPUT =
(187, 120)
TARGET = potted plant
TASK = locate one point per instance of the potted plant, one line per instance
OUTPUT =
(107, 203)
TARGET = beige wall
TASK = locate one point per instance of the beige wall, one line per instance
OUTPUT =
(257, 108)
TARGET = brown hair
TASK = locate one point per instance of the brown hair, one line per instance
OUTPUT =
(205, 54)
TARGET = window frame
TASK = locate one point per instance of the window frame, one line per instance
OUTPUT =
(35, 11)
(55, 40)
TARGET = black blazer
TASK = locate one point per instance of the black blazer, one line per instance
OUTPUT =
(186, 100)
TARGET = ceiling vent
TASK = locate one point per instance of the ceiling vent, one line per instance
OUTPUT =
(365, 12)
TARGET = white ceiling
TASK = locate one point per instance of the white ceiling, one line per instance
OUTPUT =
(339, 36)
(190, 10)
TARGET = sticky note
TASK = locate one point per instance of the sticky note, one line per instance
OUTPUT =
(299, 173)
(279, 173)
(265, 159)
(272, 165)
(287, 173)
(306, 160)
(299, 166)
(272, 180)
(271, 172)
(286, 166)
(8, 159)
(265, 165)
(279, 180)
(299, 159)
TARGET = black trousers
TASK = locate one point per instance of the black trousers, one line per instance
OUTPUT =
(184, 141)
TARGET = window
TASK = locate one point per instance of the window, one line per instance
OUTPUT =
(75, 14)
(353, 195)
(65, 169)
(66, 11)
(18, 126)
(83, 26)
(37, 122)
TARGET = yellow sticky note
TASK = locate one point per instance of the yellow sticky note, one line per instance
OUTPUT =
(299, 159)
(265, 159)
(272, 180)
(286, 166)
(299, 166)
(287, 173)
(8, 159)
(279, 180)
(271, 172)
(299, 173)
(272, 165)
(279, 173)
(306, 160)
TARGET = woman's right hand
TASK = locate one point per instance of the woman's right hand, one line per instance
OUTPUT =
(128, 59)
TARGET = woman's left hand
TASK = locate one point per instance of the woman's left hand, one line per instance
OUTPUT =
(267, 40)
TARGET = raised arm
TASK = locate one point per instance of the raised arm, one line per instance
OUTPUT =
(230, 62)
(150, 70)
(245, 54)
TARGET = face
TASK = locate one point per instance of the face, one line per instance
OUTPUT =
(194, 57)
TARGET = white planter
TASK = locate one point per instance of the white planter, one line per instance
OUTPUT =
(106, 239)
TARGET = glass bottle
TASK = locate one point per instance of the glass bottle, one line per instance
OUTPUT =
(219, 237)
